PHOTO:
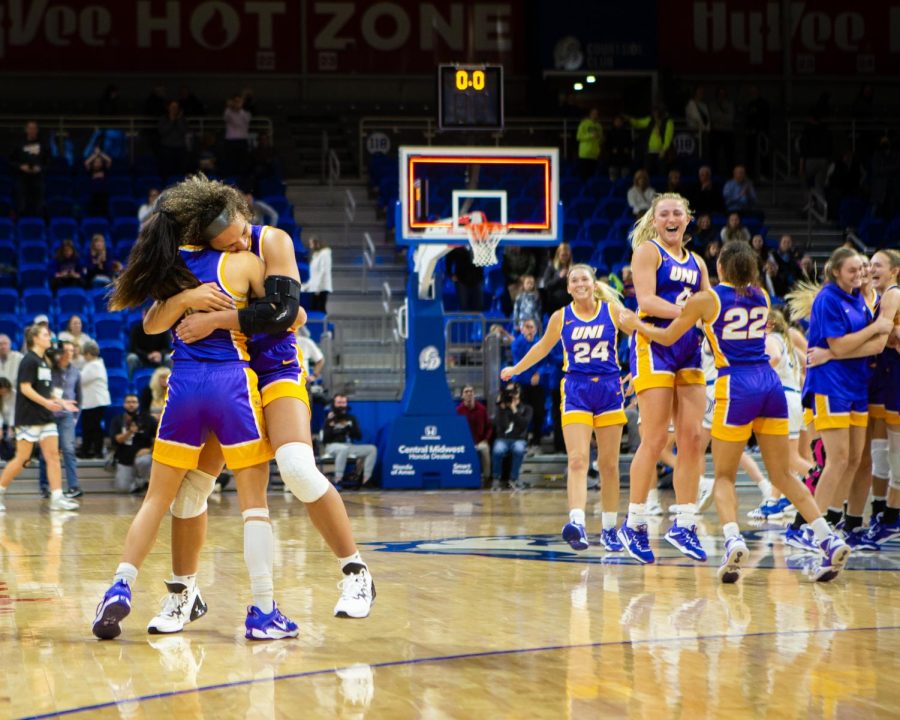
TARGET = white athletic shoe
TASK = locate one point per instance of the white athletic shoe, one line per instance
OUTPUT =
(180, 606)
(357, 592)
(61, 502)
(705, 495)
(653, 508)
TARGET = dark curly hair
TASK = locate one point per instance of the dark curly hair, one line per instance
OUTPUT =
(155, 268)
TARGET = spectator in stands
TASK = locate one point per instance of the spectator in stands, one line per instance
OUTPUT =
(758, 243)
(756, 127)
(261, 212)
(66, 382)
(341, 435)
(101, 267)
(66, 269)
(844, 179)
(619, 148)
(94, 401)
(510, 435)
(237, 133)
(149, 206)
(468, 279)
(29, 158)
(658, 151)
(320, 279)
(315, 362)
(75, 335)
(807, 269)
(153, 397)
(590, 142)
(703, 234)
(528, 304)
(530, 388)
(815, 149)
(710, 257)
(480, 427)
(9, 364)
(674, 184)
(7, 410)
(190, 104)
(707, 198)
(884, 186)
(132, 434)
(696, 113)
(148, 350)
(173, 140)
(739, 194)
(721, 135)
(96, 164)
(517, 262)
(640, 194)
(556, 279)
(787, 261)
(734, 230)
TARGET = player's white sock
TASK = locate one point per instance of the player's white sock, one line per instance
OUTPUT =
(576, 515)
(608, 520)
(259, 556)
(637, 513)
(127, 572)
(731, 530)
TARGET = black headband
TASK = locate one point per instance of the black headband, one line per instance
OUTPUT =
(217, 226)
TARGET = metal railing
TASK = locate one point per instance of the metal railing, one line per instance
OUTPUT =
(349, 212)
(368, 260)
(472, 354)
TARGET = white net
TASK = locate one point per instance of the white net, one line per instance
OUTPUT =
(484, 238)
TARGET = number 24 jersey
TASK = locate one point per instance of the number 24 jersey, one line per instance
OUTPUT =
(589, 344)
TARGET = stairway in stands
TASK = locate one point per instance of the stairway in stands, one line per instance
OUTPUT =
(783, 204)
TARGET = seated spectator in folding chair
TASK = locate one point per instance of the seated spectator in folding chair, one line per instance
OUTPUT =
(481, 429)
(341, 435)
(132, 434)
(510, 436)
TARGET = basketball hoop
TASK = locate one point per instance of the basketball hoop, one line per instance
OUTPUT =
(484, 237)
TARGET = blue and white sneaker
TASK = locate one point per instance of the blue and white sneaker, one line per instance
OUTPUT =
(735, 553)
(802, 539)
(686, 540)
(784, 505)
(767, 510)
(837, 552)
(113, 608)
(268, 626)
(574, 534)
(858, 539)
(610, 540)
(636, 543)
(880, 532)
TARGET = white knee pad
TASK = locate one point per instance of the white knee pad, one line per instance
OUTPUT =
(297, 466)
(881, 468)
(192, 494)
(894, 459)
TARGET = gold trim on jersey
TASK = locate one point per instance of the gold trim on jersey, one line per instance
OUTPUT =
(709, 331)
(238, 339)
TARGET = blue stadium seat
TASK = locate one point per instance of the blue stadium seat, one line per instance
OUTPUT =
(125, 229)
(61, 228)
(141, 378)
(57, 185)
(143, 184)
(97, 300)
(33, 251)
(30, 228)
(72, 301)
(270, 186)
(122, 206)
(117, 380)
(113, 354)
(7, 206)
(90, 226)
(582, 252)
(122, 250)
(12, 326)
(595, 231)
(119, 186)
(32, 275)
(9, 301)
(60, 206)
(7, 229)
(108, 326)
(280, 205)
(37, 301)
(613, 208)
(9, 255)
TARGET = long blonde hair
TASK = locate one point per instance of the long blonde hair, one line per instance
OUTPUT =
(781, 327)
(800, 298)
(157, 391)
(643, 229)
(602, 291)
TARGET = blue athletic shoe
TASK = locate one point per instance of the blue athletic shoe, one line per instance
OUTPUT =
(574, 534)
(802, 539)
(611, 541)
(271, 626)
(686, 540)
(113, 608)
(767, 510)
(636, 543)
(858, 539)
(836, 552)
(880, 532)
(784, 506)
(735, 553)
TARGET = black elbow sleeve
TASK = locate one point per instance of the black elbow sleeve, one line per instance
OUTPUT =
(275, 312)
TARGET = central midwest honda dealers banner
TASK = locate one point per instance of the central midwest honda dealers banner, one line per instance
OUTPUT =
(149, 36)
(827, 37)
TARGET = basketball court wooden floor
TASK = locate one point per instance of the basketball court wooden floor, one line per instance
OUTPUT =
(482, 612)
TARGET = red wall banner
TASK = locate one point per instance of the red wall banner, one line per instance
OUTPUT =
(827, 37)
(150, 36)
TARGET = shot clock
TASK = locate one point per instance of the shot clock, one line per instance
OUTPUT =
(470, 97)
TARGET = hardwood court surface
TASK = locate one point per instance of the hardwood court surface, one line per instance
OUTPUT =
(482, 612)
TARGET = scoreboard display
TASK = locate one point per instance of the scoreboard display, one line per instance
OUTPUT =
(470, 97)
